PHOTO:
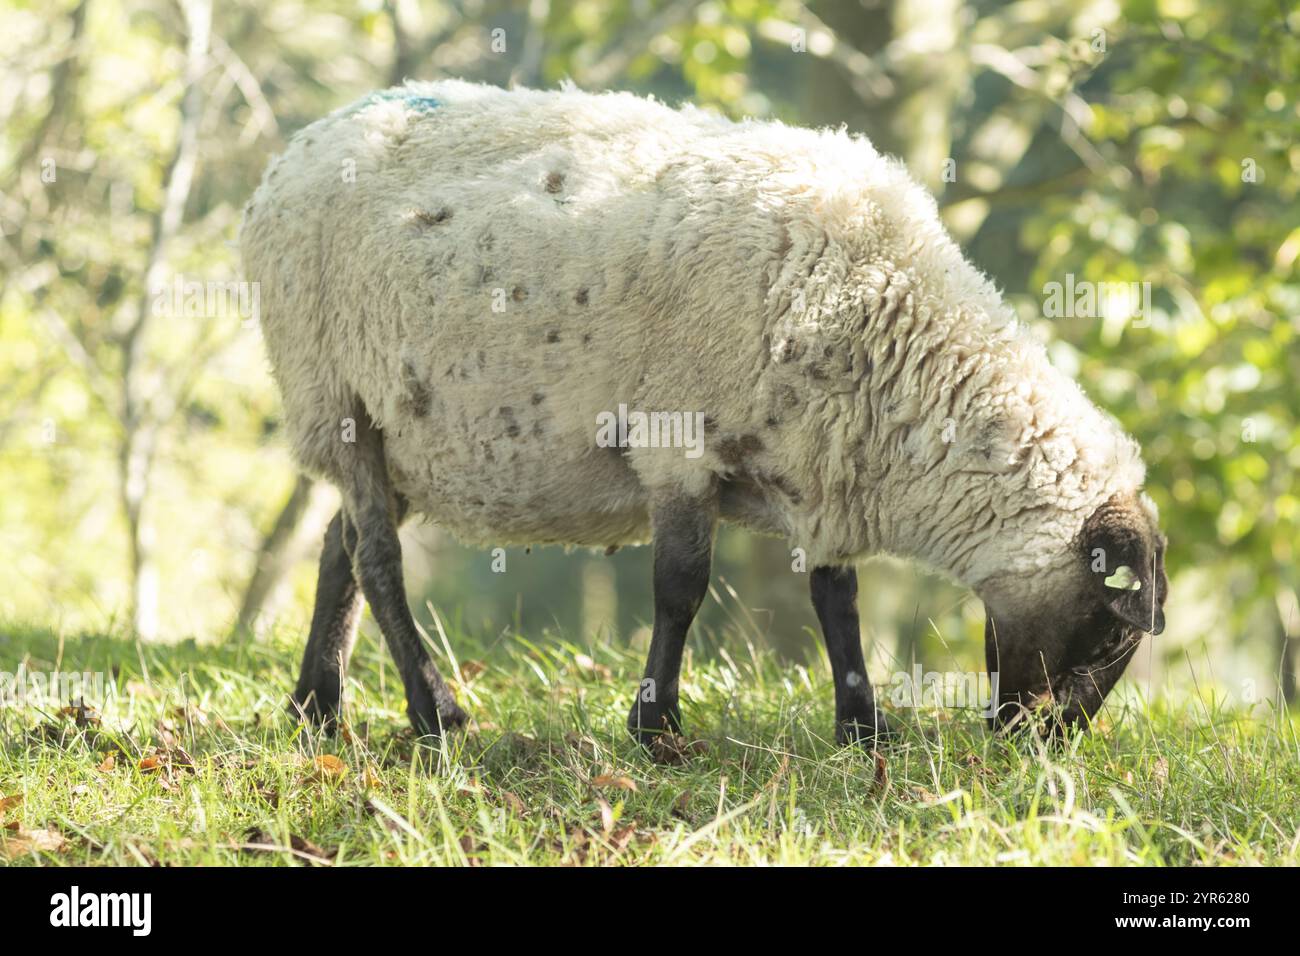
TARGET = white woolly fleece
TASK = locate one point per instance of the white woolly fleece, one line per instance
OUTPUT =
(865, 389)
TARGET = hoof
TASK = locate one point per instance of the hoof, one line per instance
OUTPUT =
(435, 720)
(315, 708)
(647, 723)
(658, 729)
(870, 733)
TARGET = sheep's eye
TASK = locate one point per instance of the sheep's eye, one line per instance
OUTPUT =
(1123, 579)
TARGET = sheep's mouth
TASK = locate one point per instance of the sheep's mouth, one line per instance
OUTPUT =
(1052, 715)
(1115, 653)
(1013, 715)
(1074, 698)
(1053, 680)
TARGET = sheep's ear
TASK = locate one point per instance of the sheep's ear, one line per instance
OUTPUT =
(1125, 555)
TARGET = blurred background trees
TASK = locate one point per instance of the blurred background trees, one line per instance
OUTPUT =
(145, 486)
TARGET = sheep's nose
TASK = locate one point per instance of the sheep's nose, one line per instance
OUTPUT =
(1017, 710)
(1010, 717)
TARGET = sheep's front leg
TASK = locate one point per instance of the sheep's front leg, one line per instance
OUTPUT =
(683, 552)
(835, 598)
(319, 694)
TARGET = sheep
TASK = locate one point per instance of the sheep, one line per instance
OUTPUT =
(461, 284)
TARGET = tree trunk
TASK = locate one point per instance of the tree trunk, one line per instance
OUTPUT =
(142, 409)
(299, 524)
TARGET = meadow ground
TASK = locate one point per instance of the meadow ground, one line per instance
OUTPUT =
(193, 760)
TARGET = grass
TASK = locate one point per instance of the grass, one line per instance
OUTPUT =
(196, 762)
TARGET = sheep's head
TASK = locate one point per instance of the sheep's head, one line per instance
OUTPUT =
(1060, 643)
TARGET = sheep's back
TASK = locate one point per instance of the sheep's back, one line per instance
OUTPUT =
(487, 273)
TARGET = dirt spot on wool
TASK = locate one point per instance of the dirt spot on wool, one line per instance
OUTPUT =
(554, 182)
(424, 218)
(417, 397)
(507, 414)
(736, 449)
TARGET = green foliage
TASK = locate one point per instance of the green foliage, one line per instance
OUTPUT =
(1163, 154)
(1205, 211)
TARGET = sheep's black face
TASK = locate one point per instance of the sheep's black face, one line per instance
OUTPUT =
(1058, 654)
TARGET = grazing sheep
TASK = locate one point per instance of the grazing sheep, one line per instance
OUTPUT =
(460, 285)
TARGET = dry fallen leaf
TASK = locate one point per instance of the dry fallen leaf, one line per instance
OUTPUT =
(1160, 771)
(610, 780)
(109, 762)
(328, 766)
(16, 841)
(8, 803)
(513, 802)
(471, 669)
(150, 763)
(882, 771)
(82, 714)
(621, 837)
(606, 815)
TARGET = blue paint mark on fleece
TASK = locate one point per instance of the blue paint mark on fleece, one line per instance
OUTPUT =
(421, 104)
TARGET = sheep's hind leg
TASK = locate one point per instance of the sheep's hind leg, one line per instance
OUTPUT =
(835, 599)
(374, 509)
(683, 553)
(319, 694)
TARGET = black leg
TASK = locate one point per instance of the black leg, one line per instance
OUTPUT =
(374, 510)
(319, 694)
(683, 552)
(835, 598)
